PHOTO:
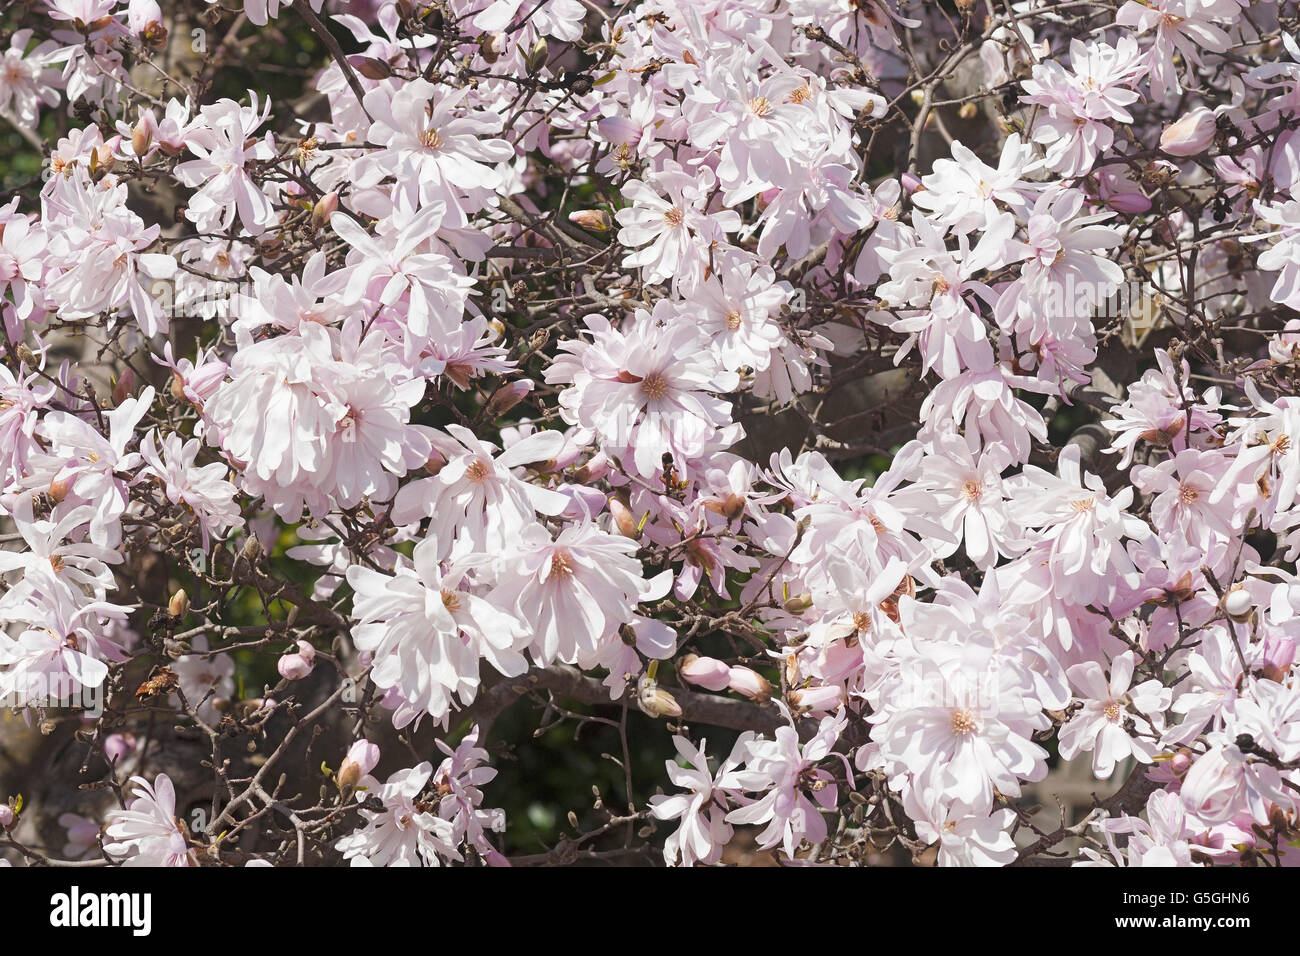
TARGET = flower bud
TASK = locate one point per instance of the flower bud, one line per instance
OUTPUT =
(619, 130)
(325, 207)
(7, 816)
(509, 396)
(142, 134)
(293, 667)
(1190, 134)
(1238, 603)
(593, 220)
(707, 672)
(370, 67)
(799, 603)
(102, 159)
(1180, 762)
(749, 683)
(179, 605)
(118, 746)
(363, 757)
(491, 46)
(624, 519)
(820, 699)
(537, 55)
(596, 468)
(655, 701)
(59, 488)
(1279, 655)
(1129, 203)
(124, 387)
(729, 506)
(307, 651)
(912, 183)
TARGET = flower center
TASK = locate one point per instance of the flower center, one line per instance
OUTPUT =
(1113, 711)
(477, 471)
(759, 106)
(561, 565)
(1188, 494)
(733, 320)
(972, 490)
(1083, 505)
(654, 386)
(451, 601)
(963, 722)
(674, 217)
(431, 139)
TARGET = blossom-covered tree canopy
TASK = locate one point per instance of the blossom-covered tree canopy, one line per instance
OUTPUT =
(843, 418)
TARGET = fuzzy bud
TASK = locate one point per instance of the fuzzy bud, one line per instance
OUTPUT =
(537, 55)
(491, 46)
(370, 67)
(655, 701)
(293, 667)
(749, 683)
(820, 699)
(124, 387)
(142, 134)
(179, 605)
(593, 220)
(624, 519)
(325, 207)
(1238, 604)
(1190, 134)
(707, 672)
(363, 757)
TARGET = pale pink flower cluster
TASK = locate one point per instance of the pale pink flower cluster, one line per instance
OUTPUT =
(471, 481)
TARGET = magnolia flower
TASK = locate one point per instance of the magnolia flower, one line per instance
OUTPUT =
(223, 141)
(147, 833)
(476, 502)
(202, 489)
(429, 133)
(704, 829)
(22, 259)
(964, 838)
(645, 390)
(407, 832)
(573, 591)
(26, 81)
(1082, 529)
(426, 633)
(1103, 723)
(963, 192)
(672, 236)
(794, 789)
(1081, 102)
(204, 679)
